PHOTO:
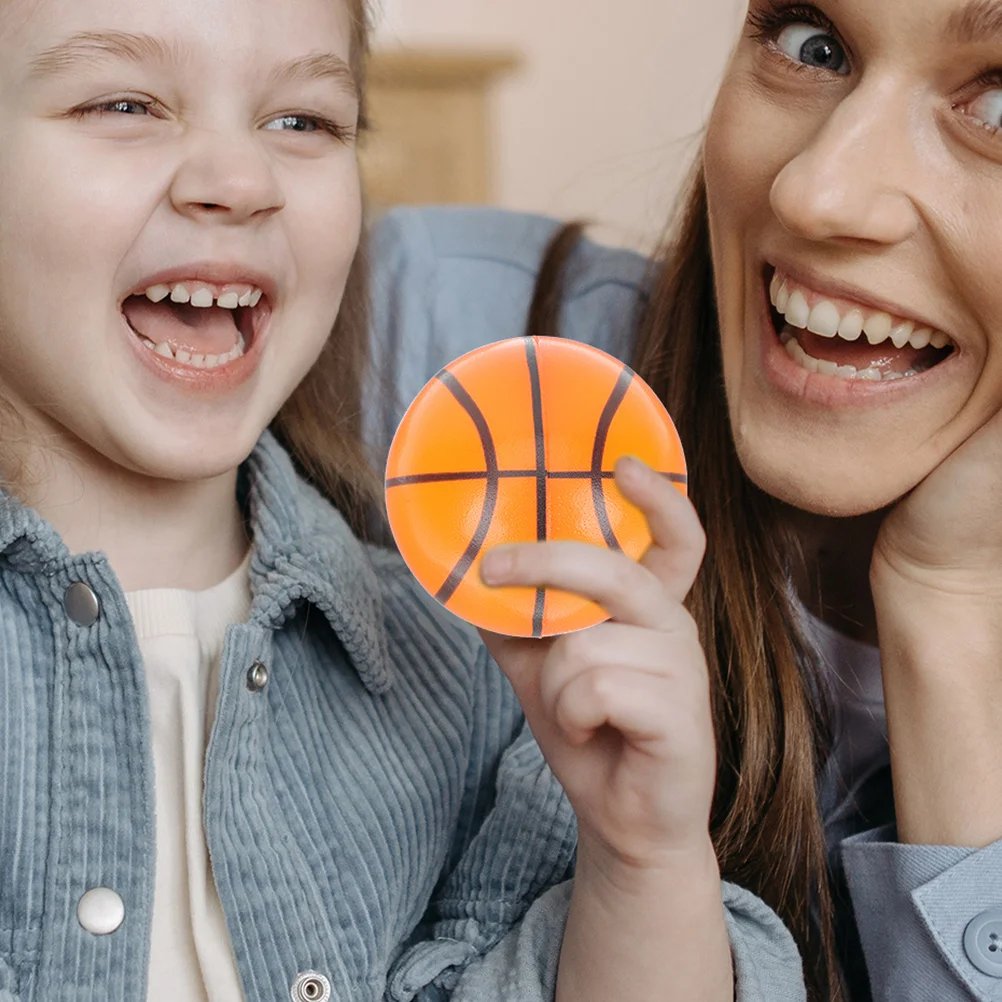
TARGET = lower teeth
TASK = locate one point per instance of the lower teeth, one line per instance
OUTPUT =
(196, 361)
(797, 353)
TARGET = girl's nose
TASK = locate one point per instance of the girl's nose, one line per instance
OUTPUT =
(852, 180)
(226, 176)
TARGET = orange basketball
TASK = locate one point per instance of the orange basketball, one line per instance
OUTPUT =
(516, 442)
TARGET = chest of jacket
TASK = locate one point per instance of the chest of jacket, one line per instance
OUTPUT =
(330, 812)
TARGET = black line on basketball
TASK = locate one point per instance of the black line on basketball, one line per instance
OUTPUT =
(538, 431)
(601, 434)
(438, 478)
(537, 428)
(537, 612)
(491, 494)
(434, 478)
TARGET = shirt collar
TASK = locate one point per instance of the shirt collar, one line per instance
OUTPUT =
(304, 550)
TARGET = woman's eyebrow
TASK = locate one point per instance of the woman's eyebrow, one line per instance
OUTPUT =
(85, 47)
(977, 21)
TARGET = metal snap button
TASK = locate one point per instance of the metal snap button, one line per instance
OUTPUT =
(81, 604)
(311, 986)
(101, 911)
(257, 676)
(983, 942)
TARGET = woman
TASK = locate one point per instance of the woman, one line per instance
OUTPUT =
(825, 331)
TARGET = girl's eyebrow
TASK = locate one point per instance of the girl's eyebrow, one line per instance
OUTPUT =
(977, 21)
(85, 47)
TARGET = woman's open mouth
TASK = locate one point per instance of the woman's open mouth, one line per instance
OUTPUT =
(196, 323)
(850, 341)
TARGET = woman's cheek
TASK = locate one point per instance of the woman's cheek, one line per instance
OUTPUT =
(739, 157)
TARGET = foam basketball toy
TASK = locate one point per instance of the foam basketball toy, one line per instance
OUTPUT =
(517, 442)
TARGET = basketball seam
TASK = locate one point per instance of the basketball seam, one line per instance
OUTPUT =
(458, 572)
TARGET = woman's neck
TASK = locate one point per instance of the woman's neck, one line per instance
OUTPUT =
(155, 533)
(834, 580)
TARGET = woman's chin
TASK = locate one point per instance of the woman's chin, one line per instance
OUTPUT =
(828, 491)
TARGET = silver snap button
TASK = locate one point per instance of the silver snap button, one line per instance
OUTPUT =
(311, 987)
(983, 942)
(81, 604)
(101, 911)
(257, 676)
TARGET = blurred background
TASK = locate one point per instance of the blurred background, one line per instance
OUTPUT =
(586, 109)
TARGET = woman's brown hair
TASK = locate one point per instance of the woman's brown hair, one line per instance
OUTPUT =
(321, 423)
(769, 709)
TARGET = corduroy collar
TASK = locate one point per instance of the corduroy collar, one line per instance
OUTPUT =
(304, 550)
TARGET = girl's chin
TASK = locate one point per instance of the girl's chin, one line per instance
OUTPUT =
(185, 457)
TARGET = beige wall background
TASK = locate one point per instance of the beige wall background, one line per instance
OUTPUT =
(604, 115)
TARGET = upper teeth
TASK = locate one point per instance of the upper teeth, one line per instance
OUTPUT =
(199, 294)
(826, 319)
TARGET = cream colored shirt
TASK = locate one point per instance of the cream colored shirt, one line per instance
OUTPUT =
(181, 637)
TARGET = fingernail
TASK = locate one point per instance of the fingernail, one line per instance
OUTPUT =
(496, 565)
(634, 470)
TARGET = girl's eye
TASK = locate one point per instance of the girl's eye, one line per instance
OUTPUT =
(987, 108)
(805, 44)
(297, 123)
(312, 124)
(122, 106)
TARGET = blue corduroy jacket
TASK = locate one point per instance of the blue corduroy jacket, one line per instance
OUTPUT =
(376, 813)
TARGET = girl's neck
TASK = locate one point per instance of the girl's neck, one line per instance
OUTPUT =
(155, 533)
(834, 580)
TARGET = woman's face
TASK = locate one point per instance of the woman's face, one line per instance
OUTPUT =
(854, 177)
(179, 209)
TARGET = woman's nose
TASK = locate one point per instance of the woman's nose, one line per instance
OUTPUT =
(227, 176)
(852, 180)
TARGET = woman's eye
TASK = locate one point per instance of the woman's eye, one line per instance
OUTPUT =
(804, 43)
(987, 108)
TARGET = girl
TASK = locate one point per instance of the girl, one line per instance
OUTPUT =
(244, 755)
(825, 330)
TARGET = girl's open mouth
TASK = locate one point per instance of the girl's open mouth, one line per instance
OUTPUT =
(197, 323)
(850, 341)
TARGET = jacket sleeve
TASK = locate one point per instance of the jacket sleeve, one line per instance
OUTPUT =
(523, 967)
(515, 839)
(494, 929)
(929, 918)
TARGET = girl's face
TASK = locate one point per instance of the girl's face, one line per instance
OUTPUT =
(193, 148)
(854, 177)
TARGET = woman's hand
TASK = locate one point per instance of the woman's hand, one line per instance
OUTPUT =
(936, 578)
(947, 533)
(621, 710)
